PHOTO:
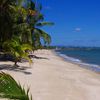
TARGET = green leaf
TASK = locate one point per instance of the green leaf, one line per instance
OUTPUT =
(46, 37)
(10, 89)
(18, 50)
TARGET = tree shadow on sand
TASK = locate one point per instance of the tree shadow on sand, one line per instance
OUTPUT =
(23, 69)
(37, 57)
(16, 69)
(7, 57)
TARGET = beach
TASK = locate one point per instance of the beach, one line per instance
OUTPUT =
(53, 78)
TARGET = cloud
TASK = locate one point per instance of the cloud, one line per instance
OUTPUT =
(77, 29)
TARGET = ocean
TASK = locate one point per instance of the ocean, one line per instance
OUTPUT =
(85, 57)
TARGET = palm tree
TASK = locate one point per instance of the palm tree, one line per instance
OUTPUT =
(9, 17)
(35, 20)
(6, 21)
(17, 50)
(13, 21)
(10, 89)
(21, 27)
(23, 21)
(20, 31)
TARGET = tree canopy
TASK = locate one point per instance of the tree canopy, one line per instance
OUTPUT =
(20, 24)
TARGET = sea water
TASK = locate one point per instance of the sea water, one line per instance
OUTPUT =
(88, 58)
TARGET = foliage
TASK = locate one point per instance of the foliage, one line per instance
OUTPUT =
(22, 18)
(35, 22)
(10, 89)
(6, 19)
(18, 50)
(20, 30)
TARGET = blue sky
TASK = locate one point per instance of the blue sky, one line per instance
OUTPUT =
(77, 22)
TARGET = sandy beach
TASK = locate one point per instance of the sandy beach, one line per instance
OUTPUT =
(52, 78)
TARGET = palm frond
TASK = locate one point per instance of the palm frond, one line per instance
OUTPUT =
(15, 48)
(10, 89)
(41, 34)
(26, 47)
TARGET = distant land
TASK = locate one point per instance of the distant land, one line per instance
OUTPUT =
(74, 47)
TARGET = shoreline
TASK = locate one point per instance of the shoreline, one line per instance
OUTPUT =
(92, 67)
(53, 78)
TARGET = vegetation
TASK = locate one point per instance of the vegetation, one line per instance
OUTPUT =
(17, 50)
(21, 21)
(10, 89)
(20, 32)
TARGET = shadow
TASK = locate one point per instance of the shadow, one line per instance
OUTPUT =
(16, 69)
(36, 57)
(6, 57)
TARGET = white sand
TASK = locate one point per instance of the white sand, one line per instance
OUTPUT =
(55, 79)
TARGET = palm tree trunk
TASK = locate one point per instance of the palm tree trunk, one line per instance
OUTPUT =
(15, 64)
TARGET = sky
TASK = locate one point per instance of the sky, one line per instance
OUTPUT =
(77, 22)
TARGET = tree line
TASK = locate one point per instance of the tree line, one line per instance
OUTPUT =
(20, 27)
(20, 32)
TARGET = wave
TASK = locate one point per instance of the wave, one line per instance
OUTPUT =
(92, 67)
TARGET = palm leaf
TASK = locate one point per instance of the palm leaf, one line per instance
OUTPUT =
(15, 48)
(26, 47)
(10, 89)
(46, 37)
(40, 17)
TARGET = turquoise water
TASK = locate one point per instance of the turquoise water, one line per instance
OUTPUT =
(86, 56)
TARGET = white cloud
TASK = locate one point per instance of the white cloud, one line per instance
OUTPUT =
(77, 29)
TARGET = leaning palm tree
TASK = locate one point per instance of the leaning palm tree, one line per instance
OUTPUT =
(35, 20)
(10, 89)
(17, 50)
